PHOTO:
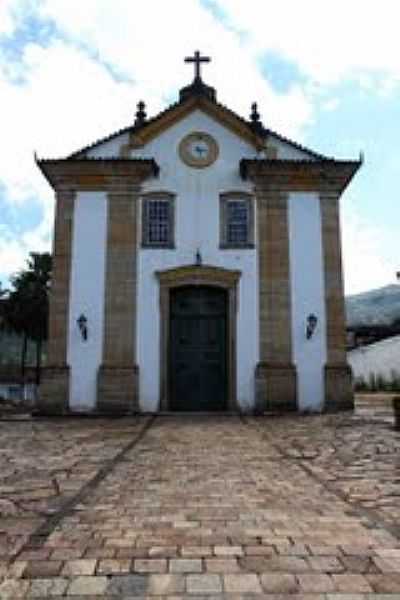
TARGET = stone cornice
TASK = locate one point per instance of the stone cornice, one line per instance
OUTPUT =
(97, 174)
(299, 175)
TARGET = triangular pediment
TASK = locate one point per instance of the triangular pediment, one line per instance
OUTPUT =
(144, 131)
(181, 110)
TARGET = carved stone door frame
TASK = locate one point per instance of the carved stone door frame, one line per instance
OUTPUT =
(193, 275)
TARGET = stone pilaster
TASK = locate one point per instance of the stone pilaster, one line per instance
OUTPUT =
(338, 381)
(54, 389)
(118, 375)
(275, 375)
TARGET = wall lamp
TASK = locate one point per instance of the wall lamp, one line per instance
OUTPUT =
(83, 328)
(312, 321)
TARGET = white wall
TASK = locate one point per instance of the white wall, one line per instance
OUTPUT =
(87, 296)
(381, 358)
(196, 226)
(308, 296)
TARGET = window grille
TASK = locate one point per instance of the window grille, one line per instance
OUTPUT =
(157, 222)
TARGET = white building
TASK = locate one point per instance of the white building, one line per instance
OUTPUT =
(196, 267)
(381, 359)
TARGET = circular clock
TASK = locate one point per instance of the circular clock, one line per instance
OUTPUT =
(198, 149)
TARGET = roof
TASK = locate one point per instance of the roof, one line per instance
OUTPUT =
(198, 94)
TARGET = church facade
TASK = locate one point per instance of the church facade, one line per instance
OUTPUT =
(197, 267)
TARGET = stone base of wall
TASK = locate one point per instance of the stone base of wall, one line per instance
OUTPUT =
(53, 397)
(275, 387)
(118, 390)
(338, 388)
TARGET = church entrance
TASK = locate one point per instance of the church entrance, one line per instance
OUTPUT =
(198, 349)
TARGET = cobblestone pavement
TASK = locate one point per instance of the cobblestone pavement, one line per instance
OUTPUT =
(201, 507)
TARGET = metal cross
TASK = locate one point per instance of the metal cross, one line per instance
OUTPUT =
(197, 60)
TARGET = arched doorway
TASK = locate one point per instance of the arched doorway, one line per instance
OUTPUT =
(198, 349)
(205, 277)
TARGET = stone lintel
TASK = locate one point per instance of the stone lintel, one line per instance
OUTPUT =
(276, 387)
(199, 275)
(118, 389)
(54, 390)
(338, 388)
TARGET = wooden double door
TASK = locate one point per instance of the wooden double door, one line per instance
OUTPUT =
(198, 349)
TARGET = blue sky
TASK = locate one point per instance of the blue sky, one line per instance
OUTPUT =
(72, 72)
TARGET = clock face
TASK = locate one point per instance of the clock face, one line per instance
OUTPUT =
(198, 149)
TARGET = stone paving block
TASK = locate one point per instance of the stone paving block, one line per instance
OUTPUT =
(247, 583)
(352, 550)
(387, 564)
(351, 582)
(359, 564)
(111, 566)
(87, 586)
(162, 552)
(42, 569)
(385, 583)
(84, 566)
(203, 584)
(100, 553)
(292, 549)
(222, 565)
(43, 588)
(259, 550)
(13, 588)
(67, 554)
(16, 569)
(196, 551)
(316, 550)
(282, 583)
(185, 565)
(228, 551)
(315, 582)
(151, 565)
(325, 564)
(166, 584)
(40, 554)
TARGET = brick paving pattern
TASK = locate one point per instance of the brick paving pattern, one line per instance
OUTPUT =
(280, 508)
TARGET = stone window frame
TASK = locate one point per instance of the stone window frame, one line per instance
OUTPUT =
(145, 199)
(224, 199)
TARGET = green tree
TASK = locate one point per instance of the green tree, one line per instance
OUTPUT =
(27, 306)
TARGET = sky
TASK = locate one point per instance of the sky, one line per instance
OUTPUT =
(325, 74)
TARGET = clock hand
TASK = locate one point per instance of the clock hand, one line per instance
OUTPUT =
(200, 150)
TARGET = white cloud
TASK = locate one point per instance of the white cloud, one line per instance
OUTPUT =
(13, 255)
(368, 262)
(148, 46)
(7, 21)
(64, 95)
(329, 41)
(70, 95)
